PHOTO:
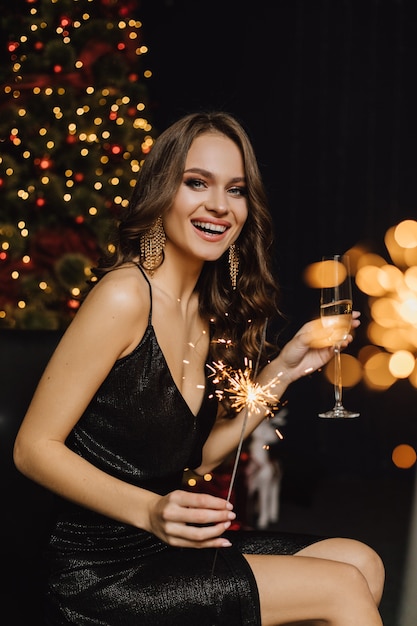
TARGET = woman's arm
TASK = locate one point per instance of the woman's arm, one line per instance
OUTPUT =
(110, 323)
(100, 333)
(307, 352)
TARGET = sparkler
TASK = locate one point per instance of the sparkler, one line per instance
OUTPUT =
(245, 395)
(243, 390)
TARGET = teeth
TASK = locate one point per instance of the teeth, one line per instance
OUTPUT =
(208, 227)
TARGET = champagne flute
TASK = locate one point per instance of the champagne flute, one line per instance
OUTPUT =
(336, 316)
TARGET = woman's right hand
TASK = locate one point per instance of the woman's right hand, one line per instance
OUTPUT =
(191, 520)
(309, 349)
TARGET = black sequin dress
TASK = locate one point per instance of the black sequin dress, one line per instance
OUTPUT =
(139, 428)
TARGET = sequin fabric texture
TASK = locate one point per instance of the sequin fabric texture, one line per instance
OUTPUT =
(139, 428)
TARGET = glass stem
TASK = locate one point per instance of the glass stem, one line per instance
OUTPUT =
(337, 378)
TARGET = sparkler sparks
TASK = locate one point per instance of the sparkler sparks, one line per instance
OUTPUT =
(244, 394)
(244, 391)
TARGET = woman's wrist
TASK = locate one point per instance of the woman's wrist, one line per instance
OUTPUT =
(274, 378)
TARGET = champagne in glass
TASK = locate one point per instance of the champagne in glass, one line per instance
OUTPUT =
(336, 316)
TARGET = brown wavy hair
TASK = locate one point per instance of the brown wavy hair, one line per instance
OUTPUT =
(237, 317)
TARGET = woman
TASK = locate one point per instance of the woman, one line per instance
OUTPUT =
(129, 400)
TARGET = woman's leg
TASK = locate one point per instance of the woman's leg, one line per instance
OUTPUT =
(356, 553)
(301, 588)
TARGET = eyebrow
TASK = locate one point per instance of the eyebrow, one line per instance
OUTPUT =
(207, 174)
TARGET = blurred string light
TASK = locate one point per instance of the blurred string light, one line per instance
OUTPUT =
(74, 132)
(391, 289)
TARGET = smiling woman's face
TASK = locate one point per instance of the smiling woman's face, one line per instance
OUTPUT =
(210, 207)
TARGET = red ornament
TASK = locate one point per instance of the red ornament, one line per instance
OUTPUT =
(128, 8)
(39, 45)
(44, 163)
(71, 139)
(40, 202)
(79, 219)
(57, 69)
(73, 304)
(65, 21)
(79, 177)
(116, 149)
(13, 46)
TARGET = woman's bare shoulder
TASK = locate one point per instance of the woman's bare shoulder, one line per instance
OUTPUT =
(123, 287)
(117, 306)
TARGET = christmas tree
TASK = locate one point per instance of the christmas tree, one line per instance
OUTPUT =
(74, 130)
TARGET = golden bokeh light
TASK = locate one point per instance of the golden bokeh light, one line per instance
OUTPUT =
(390, 277)
(410, 277)
(404, 456)
(384, 312)
(401, 364)
(355, 254)
(312, 276)
(324, 274)
(391, 288)
(376, 372)
(405, 234)
(366, 352)
(394, 338)
(396, 252)
(370, 258)
(413, 377)
(410, 256)
(408, 310)
(351, 370)
(367, 279)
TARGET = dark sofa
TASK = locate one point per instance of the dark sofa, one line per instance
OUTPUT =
(25, 507)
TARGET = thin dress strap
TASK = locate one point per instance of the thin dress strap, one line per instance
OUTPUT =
(150, 292)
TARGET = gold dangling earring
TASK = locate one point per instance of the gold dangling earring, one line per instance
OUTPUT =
(152, 244)
(233, 264)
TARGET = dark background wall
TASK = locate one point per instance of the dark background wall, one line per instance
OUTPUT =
(326, 89)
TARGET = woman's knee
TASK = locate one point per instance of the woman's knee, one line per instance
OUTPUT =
(293, 589)
(352, 589)
(371, 565)
(354, 552)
